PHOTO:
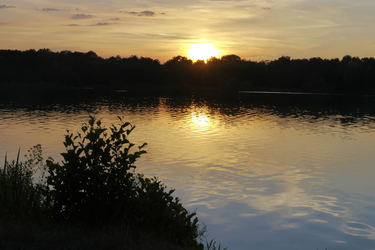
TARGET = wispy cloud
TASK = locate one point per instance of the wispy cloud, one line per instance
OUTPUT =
(51, 9)
(101, 24)
(73, 25)
(81, 16)
(148, 13)
(164, 37)
(3, 6)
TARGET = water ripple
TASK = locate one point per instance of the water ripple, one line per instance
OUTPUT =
(247, 166)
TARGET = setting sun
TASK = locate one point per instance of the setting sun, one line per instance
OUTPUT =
(203, 51)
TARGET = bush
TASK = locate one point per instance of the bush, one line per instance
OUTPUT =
(158, 209)
(93, 191)
(96, 185)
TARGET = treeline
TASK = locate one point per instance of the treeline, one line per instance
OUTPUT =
(229, 73)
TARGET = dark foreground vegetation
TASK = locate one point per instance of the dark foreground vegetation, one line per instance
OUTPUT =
(229, 73)
(93, 199)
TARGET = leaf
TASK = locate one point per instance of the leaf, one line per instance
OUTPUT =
(18, 156)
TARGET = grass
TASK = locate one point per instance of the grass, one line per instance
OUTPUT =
(21, 235)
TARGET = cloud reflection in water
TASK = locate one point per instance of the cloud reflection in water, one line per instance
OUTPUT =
(259, 176)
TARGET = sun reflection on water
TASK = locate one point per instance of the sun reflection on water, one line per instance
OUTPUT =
(200, 120)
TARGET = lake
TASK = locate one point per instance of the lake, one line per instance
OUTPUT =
(262, 171)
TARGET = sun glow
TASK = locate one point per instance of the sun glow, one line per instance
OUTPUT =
(202, 51)
(200, 120)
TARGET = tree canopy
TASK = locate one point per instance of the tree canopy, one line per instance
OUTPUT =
(230, 72)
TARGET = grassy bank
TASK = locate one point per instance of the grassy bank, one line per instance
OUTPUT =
(42, 236)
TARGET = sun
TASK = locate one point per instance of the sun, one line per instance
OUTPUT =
(202, 51)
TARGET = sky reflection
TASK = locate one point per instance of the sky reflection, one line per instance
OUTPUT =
(259, 178)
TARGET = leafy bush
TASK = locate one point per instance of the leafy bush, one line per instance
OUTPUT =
(96, 184)
(158, 209)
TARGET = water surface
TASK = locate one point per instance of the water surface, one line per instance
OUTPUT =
(262, 172)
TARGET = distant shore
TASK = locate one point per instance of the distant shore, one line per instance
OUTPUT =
(229, 74)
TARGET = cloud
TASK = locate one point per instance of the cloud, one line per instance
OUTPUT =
(6, 6)
(114, 19)
(148, 36)
(72, 25)
(101, 24)
(50, 9)
(148, 13)
(82, 16)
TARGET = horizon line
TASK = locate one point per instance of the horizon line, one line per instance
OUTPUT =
(193, 60)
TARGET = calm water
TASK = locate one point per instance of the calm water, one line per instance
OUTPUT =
(262, 172)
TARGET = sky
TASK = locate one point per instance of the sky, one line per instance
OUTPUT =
(161, 29)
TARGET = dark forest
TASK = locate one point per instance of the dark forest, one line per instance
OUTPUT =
(230, 73)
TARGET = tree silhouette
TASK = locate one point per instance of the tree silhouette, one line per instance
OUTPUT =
(228, 73)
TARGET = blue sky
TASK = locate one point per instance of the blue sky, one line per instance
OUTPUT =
(252, 29)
